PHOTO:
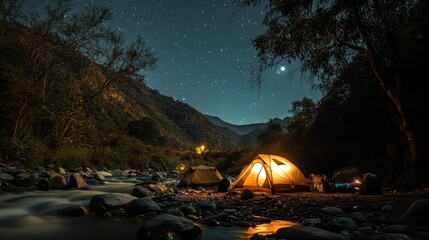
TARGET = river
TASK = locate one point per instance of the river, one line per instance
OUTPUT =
(34, 215)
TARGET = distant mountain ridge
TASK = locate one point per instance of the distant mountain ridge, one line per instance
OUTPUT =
(245, 134)
(238, 129)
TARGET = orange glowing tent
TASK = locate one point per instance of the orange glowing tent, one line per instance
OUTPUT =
(271, 173)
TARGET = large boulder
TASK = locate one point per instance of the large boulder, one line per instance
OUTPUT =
(103, 203)
(43, 184)
(6, 176)
(61, 171)
(206, 205)
(74, 211)
(141, 206)
(154, 187)
(417, 213)
(166, 224)
(76, 181)
(141, 192)
(104, 173)
(57, 182)
(100, 177)
(187, 210)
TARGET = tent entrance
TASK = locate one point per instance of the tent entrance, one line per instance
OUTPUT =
(257, 177)
(260, 175)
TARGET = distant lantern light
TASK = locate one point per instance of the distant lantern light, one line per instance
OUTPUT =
(201, 149)
(181, 167)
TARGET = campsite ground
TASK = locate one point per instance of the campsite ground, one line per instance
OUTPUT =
(398, 201)
(298, 206)
(380, 214)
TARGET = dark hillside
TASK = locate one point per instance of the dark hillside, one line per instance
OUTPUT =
(63, 113)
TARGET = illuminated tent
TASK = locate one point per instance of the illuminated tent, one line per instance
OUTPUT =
(271, 173)
(200, 176)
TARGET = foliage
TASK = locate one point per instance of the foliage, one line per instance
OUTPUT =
(71, 156)
(327, 35)
(32, 151)
(195, 125)
(147, 130)
(304, 112)
(355, 130)
(226, 161)
(42, 53)
(271, 135)
(305, 107)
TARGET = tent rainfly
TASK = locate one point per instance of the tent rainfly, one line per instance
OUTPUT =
(271, 173)
(200, 176)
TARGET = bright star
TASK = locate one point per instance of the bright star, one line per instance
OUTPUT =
(281, 69)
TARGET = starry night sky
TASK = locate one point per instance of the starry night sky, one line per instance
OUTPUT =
(206, 57)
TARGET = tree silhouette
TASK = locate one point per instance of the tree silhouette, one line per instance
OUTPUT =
(326, 36)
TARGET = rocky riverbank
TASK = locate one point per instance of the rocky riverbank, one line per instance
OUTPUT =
(166, 212)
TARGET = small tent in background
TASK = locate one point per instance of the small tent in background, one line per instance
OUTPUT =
(201, 175)
(271, 173)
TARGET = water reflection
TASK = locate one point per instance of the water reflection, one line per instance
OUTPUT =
(220, 232)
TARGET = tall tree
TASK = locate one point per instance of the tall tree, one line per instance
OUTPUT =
(326, 35)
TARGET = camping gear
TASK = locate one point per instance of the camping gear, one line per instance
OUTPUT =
(224, 185)
(345, 187)
(201, 175)
(370, 185)
(271, 173)
(320, 183)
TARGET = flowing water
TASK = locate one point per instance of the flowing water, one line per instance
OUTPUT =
(34, 215)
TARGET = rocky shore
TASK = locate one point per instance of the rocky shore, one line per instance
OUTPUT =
(167, 212)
